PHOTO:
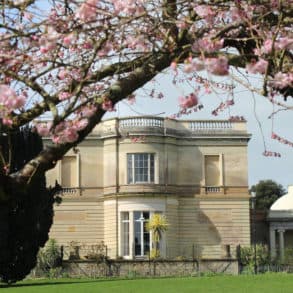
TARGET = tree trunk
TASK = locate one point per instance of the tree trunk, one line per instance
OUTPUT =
(4, 227)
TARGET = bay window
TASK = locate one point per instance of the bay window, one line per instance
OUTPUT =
(135, 239)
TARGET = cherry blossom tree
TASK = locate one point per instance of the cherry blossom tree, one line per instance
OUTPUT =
(76, 59)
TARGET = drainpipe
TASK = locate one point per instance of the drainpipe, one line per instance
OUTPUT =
(117, 181)
(166, 179)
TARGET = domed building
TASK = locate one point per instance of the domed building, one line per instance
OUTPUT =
(280, 218)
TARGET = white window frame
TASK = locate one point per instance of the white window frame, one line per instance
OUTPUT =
(132, 236)
(142, 222)
(123, 221)
(149, 181)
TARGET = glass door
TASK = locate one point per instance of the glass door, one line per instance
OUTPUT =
(141, 235)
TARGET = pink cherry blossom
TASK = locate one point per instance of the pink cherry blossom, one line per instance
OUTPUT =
(43, 128)
(204, 11)
(64, 132)
(48, 41)
(131, 99)
(192, 65)
(281, 139)
(128, 7)
(80, 124)
(230, 102)
(87, 45)
(271, 154)
(107, 105)
(282, 80)
(235, 14)
(136, 43)
(188, 101)
(188, 68)
(56, 139)
(63, 74)
(7, 121)
(208, 45)
(87, 111)
(181, 24)
(69, 135)
(217, 66)
(280, 44)
(267, 46)
(9, 100)
(87, 11)
(173, 65)
(285, 43)
(64, 96)
(257, 67)
(28, 15)
(69, 39)
(198, 65)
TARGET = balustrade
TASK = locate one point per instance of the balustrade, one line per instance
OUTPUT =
(141, 122)
(213, 189)
(210, 125)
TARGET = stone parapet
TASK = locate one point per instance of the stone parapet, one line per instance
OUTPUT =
(158, 126)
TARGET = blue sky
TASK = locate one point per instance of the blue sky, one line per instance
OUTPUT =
(260, 167)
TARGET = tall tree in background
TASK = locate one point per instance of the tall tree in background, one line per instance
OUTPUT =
(267, 192)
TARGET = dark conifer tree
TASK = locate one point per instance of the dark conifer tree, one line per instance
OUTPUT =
(27, 214)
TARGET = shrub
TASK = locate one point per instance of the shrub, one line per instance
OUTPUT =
(96, 252)
(247, 256)
(74, 248)
(49, 258)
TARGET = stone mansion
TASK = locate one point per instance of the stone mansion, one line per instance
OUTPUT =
(192, 171)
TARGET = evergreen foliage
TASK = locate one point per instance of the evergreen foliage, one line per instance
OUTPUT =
(27, 213)
(267, 192)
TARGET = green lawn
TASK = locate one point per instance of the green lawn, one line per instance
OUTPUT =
(276, 283)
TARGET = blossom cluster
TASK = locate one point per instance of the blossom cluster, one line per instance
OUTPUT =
(71, 56)
(281, 139)
(216, 66)
(9, 101)
(282, 80)
(271, 154)
(64, 132)
(88, 10)
(188, 101)
(211, 83)
(222, 107)
(269, 45)
(186, 111)
(259, 66)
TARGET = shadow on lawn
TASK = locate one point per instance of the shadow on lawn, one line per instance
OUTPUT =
(55, 283)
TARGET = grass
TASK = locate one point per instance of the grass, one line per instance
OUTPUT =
(277, 283)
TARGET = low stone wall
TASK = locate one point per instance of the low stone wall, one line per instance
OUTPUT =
(144, 268)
